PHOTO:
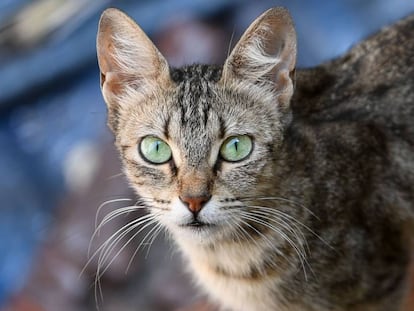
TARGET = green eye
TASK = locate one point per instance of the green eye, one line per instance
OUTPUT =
(236, 148)
(155, 150)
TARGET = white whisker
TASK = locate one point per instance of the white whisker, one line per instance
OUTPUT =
(153, 233)
(153, 237)
(106, 203)
(115, 176)
(138, 221)
(106, 248)
(264, 237)
(300, 252)
(106, 251)
(278, 219)
(286, 216)
(296, 203)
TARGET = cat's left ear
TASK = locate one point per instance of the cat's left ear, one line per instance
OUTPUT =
(266, 55)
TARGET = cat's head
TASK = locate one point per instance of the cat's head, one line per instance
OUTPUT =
(198, 143)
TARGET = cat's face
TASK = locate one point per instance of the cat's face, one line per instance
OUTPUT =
(198, 143)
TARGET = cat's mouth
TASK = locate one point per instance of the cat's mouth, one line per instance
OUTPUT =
(197, 224)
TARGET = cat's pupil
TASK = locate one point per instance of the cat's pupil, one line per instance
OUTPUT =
(236, 142)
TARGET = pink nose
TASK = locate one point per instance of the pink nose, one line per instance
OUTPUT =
(195, 204)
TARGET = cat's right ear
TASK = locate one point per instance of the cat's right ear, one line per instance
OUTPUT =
(127, 58)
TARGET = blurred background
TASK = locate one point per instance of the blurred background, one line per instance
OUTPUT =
(57, 162)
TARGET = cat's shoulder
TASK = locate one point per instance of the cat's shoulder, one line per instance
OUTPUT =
(379, 66)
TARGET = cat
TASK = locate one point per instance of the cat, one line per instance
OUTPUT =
(284, 190)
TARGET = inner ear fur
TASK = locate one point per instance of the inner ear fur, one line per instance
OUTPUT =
(266, 54)
(126, 56)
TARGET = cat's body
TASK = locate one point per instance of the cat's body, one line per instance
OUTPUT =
(317, 215)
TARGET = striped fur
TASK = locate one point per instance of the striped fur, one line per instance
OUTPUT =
(318, 217)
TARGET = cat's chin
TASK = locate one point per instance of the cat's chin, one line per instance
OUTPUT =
(198, 232)
(198, 227)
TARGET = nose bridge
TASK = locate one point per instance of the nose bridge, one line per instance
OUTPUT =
(195, 183)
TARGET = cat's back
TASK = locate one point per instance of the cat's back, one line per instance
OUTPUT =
(373, 81)
(363, 103)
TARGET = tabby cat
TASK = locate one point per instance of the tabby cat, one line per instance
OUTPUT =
(284, 191)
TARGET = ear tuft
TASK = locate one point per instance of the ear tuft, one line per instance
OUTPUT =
(266, 55)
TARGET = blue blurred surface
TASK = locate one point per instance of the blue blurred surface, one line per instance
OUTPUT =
(50, 99)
